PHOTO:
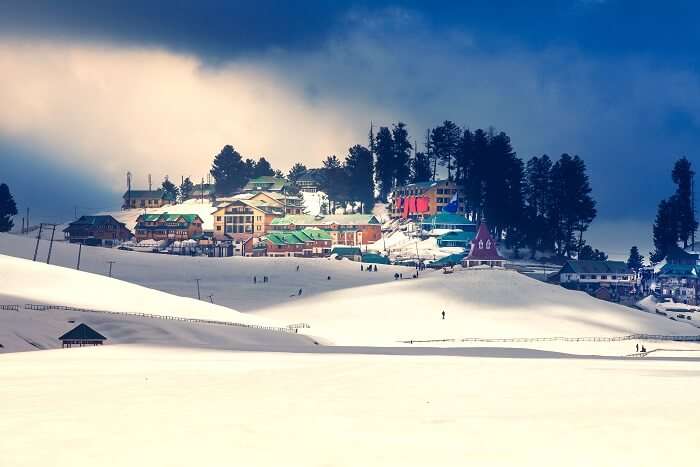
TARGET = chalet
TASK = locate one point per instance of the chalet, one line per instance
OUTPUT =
(591, 275)
(266, 183)
(456, 238)
(424, 199)
(97, 231)
(245, 216)
(137, 199)
(203, 191)
(303, 243)
(350, 252)
(292, 204)
(310, 181)
(447, 221)
(679, 278)
(168, 226)
(81, 335)
(348, 229)
(483, 250)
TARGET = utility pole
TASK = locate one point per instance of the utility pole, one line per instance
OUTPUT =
(199, 296)
(22, 231)
(692, 203)
(80, 250)
(38, 237)
(53, 231)
(149, 182)
(27, 220)
(128, 190)
(110, 267)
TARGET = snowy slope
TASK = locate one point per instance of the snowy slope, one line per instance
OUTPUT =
(140, 406)
(25, 281)
(229, 280)
(478, 303)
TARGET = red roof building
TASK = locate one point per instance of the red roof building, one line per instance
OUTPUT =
(483, 251)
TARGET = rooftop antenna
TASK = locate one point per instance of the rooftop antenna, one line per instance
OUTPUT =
(128, 190)
(149, 182)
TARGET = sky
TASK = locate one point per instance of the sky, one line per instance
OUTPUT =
(92, 91)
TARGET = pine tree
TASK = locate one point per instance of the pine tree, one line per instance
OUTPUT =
(445, 144)
(665, 230)
(571, 208)
(588, 253)
(420, 168)
(635, 260)
(296, 171)
(186, 189)
(359, 167)
(334, 182)
(8, 208)
(402, 155)
(170, 191)
(384, 165)
(682, 175)
(229, 171)
(537, 192)
(262, 168)
(476, 169)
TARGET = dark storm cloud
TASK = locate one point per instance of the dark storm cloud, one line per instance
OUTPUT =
(210, 28)
(53, 192)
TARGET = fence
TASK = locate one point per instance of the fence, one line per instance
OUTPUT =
(630, 337)
(292, 328)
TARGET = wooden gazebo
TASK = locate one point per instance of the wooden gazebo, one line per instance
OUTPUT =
(81, 335)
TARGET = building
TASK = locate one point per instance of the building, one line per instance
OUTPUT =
(424, 199)
(679, 277)
(168, 226)
(245, 216)
(447, 221)
(301, 243)
(591, 275)
(345, 229)
(203, 191)
(292, 204)
(266, 183)
(138, 199)
(81, 335)
(483, 250)
(352, 253)
(310, 181)
(456, 238)
(97, 231)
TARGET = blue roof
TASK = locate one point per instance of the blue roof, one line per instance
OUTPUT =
(457, 236)
(679, 270)
(447, 218)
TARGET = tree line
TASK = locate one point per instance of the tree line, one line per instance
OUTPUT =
(675, 217)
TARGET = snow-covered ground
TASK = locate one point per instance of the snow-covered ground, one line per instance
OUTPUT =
(135, 405)
(229, 280)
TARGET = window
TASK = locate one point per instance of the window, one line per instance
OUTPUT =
(218, 227)
(481, 244)
(218, 218)
(604, 277)
(488, 244)
(257, 227)
(583, 276)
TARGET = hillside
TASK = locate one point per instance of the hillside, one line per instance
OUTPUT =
(38, 283)
(229, 280)
(478, 303)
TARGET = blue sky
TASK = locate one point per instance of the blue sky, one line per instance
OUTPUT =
(613, 81)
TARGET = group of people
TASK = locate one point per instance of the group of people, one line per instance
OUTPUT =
(643, 349)
(370, 267)
(265, 279)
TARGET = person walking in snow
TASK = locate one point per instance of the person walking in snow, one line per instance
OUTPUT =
(329, 277)
(299, 292)
(297, 268)
(375, 268)
(401, 276)
(362, 267)
(443, 314)
(637, 347)
(396, 276)
(255, 279)
(644, 350)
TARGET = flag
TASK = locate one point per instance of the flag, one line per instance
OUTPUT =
(453, 205)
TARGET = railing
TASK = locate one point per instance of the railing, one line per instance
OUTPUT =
(292, 328)
(646, 337)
